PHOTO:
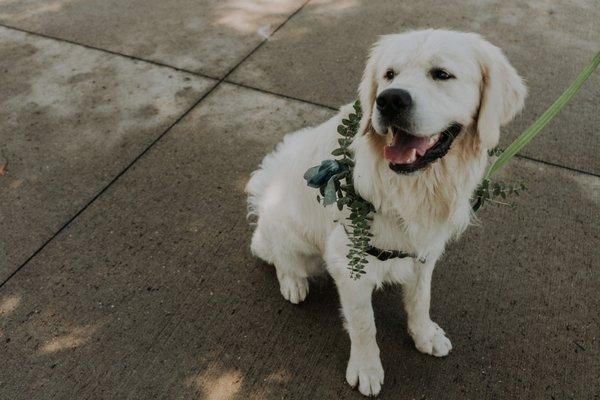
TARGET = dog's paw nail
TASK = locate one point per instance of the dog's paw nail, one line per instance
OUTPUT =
(434, 342)
(369, 378)
(293, 289)
(441, 345)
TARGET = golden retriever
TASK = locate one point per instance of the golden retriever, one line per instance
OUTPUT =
(433, 103)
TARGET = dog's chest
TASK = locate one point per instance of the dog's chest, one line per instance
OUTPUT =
(425, 237)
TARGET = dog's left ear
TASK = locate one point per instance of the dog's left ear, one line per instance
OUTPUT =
(502, 95)
(367, 90)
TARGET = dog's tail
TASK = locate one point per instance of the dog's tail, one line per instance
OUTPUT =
(257, 185)
(254, 188)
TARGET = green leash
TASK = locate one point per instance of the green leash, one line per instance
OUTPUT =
(334, 178)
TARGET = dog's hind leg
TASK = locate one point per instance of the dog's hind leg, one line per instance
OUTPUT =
(292, 273)
(294, 259)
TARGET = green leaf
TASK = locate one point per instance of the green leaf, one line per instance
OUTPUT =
(329, 195)
(347, 161)
(496, 151)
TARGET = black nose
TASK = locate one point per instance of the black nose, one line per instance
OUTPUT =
(393, 101)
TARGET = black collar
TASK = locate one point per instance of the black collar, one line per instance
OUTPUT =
(384, 255)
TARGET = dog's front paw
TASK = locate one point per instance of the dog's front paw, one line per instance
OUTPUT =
(293, 288)
(367, 372)
(431, 339)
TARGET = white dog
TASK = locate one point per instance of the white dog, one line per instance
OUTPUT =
(433, 102)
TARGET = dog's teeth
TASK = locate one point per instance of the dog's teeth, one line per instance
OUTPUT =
(389, 137)
(413, 156)
(433, 139)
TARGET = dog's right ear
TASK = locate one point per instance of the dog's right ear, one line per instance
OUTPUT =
(367, 90)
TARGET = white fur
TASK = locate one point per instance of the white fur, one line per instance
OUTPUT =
(418, 212)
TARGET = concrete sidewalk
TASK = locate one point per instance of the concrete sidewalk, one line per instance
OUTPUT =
(128, 131)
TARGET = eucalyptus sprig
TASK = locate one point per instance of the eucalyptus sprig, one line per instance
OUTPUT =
(335, 182)
(489, 191)
(495, 152)
(496, 192)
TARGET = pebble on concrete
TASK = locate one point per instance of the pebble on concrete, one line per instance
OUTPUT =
(3, 165)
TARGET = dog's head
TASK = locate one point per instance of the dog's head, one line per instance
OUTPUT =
(422, 89)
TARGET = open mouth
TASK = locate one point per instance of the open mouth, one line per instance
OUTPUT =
(408, 153)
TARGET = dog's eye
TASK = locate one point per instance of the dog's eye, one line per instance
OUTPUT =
(439, 74)
(390, 74)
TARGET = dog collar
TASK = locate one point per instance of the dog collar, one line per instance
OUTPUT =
(384, 255)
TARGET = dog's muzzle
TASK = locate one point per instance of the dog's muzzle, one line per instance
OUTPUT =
(408, 153)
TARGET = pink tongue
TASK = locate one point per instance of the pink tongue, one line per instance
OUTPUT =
(404, 147)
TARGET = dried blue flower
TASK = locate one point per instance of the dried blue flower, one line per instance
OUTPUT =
(319, 175)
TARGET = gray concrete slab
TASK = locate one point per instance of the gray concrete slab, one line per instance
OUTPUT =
(71, 119)
(152, 291)
(320, 53)
(208, 36)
